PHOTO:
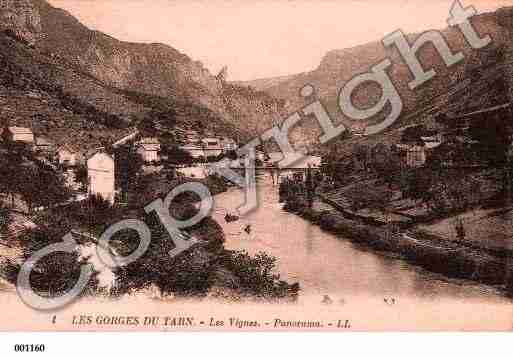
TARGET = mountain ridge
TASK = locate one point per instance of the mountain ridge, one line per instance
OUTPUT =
(154, 69)
(338, 66)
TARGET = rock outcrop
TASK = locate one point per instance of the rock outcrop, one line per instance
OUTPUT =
(339, 66)
(155, 69)
(22, 18)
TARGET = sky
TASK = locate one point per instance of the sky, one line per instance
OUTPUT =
(262, 38)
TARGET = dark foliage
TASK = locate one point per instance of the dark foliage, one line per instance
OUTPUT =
(257, 275)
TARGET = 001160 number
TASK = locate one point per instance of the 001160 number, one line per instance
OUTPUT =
(29, 348)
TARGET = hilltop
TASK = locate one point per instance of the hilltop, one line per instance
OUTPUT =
(481, 67)
(145, 75)
(126, 81)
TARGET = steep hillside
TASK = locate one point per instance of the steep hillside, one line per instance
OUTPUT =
(339, 66)
(57, 101)
(67, 105)
(126, 79)
(154, 69)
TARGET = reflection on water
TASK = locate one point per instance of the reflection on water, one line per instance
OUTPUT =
(326, 264)
(361, 285)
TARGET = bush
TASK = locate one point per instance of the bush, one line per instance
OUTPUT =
(257, 277)
(55, 273)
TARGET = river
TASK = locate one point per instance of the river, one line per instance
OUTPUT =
(370, 290)
(326, 264)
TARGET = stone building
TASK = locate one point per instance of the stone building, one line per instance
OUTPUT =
(149, 149)
(18, 134)
(68, 155)
(212, 147)
(101, 176)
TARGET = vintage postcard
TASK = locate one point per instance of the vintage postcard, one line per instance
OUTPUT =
(275, 165)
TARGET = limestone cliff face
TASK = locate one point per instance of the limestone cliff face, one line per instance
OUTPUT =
(155, 69)
(22, 18)
(339, 66)
(151, 68)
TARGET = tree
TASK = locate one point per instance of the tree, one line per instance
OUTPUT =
(493, 139)
(129, 165)
(6, 135)
(232, 155)
(13, 161)
(80, 172)
(5, 219)
(361, 153)
(419, 182)
(175, 155)
(147, 127)
(155, 118)
(386, 163)
(43, 187)
(460, 229)
(413, 133)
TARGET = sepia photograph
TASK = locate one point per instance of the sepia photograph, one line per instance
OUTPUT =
(255, 166)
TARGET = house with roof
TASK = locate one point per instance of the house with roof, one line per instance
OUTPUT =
(416, 155)
(149, 149)
(417, 143)
(101, 175)
(18, 134)
(44, 145)
(432, 141)
(44, 149)
(193, 172)
(413, 154)
(212, 146)
(69, 155)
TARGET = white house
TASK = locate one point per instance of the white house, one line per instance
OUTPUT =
(149, 149)
(101, 176)
(212, 147)
(68, 155)
(20, 134)
(358, 129)
(43, 144)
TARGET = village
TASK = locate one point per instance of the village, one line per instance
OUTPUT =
(442, 178)
(89, 173)
(445, 179)
(50, 191)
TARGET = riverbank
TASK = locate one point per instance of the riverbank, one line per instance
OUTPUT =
(433, 253)
(207, 269)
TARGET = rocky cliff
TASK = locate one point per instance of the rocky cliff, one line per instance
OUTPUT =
(155, 69)
(22, 17)
(339, 66)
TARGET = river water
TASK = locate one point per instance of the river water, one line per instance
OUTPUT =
(326, 264)
(358, 281)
